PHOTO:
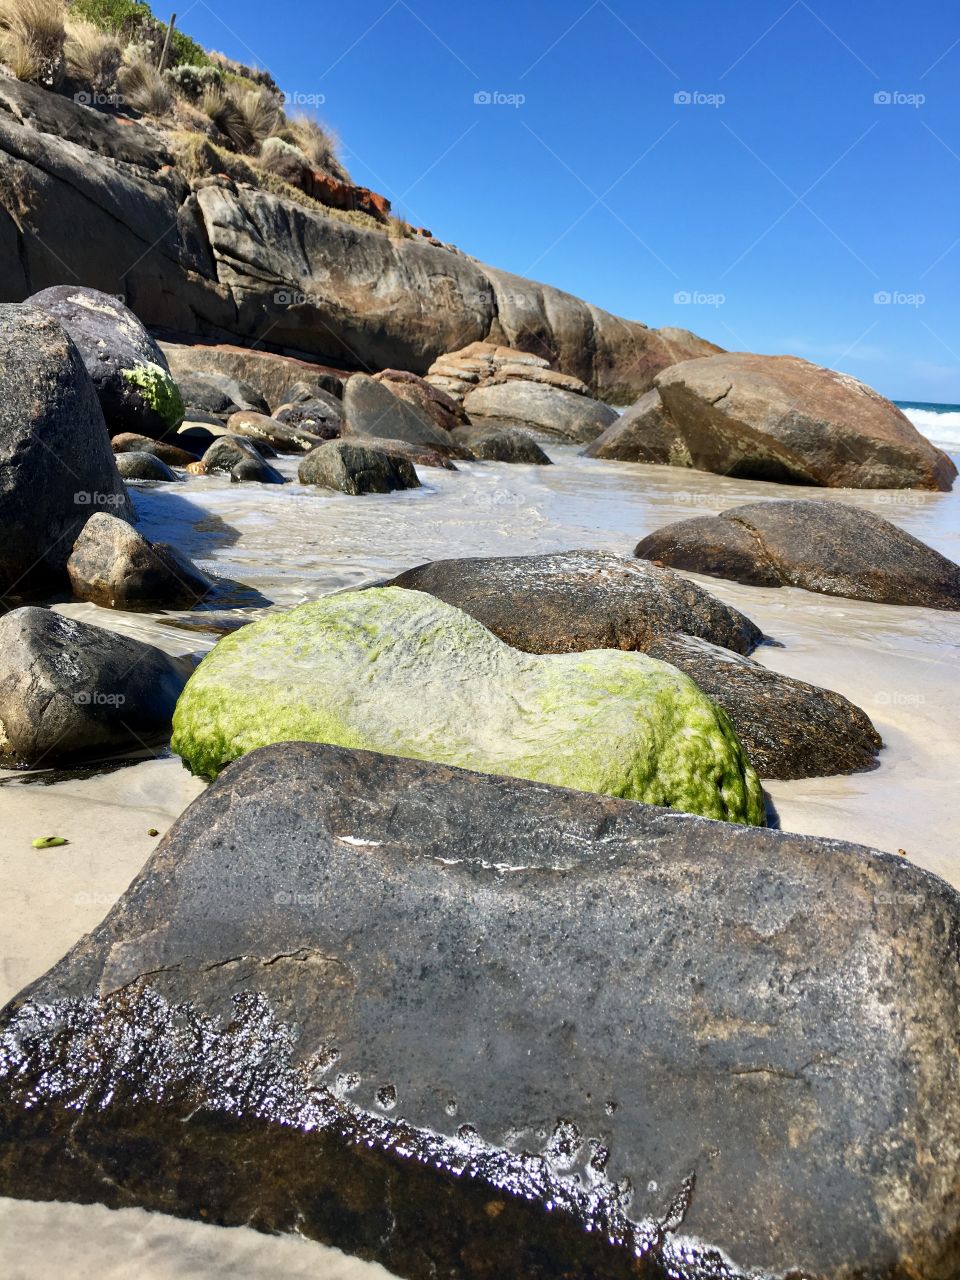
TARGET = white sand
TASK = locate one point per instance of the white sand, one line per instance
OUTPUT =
(899, 664)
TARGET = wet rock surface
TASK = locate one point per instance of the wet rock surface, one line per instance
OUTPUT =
(320, 413)
(478, 1027)
(135, 464)
(129, 371)
(274, 435)
(577, 600)
(70, 690)
(834, 549)
(113, 565)
(171, 454)
(496, 442)
(56, 464)
(240, 459)
(354, 469)
(789, 729)
(784, 419)
(218, 393)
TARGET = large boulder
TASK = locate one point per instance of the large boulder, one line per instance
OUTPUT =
(442, 410)
(138, 464)
(562, 414)
(501, 444)
(130, 372)
(353, 469)
(397, 671)
(474, 1027)
(113, 565)
(370, 409)
(419, 455)
(569, 601)
(278, 436)
(271, 376)
(830, 547)
(238, 458)
(56, 465)
(69, 690)
(128, 442)
(788, 728)
(219, 394)
(645, 433)
(781, 418)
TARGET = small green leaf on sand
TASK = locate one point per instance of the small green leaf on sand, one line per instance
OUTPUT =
(49, 842)
(153, 832)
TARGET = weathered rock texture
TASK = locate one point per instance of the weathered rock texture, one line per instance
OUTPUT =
(56, 464)
(474, 1027)
(370, 409)
(271, 375)
(355, 469)
(781, 418)
(829, 547)
(501, 444)
(552, 411)
(113, 565)
(645, 433)
(397, 671)
(87, 197)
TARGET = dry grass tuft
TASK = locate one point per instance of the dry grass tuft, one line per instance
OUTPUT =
(32, 38)
(143, 87)
(93, 56)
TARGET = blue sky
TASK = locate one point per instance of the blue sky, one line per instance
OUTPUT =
(814, 166)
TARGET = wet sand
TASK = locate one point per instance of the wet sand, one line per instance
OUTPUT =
(293, 544)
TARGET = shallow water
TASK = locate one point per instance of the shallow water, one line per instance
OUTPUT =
(292, 544)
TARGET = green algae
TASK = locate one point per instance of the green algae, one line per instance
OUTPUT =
(158, 390)
(400, 672)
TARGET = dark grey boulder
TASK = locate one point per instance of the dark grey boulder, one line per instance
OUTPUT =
(420, 455)
(370, 409)
(137, 465)
(645, 433)
(501, 444)
(576, 600)
(354, 469)
(830, 547)
(129, 371)
(240, 459)
(476, 1027)
(173, 456)
(69, 690)
(322, 414)
(219, 394)
(56, 464)
(273, 435)
(788, 728)
(113, 565)
(304, 389)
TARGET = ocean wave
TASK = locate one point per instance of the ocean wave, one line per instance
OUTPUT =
(943, 428)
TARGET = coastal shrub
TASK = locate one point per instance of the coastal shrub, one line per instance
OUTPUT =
(198, 157)
(32, 38)
(318, 144)
(136, 22)
(246, 120)
(92, 56)
(142, 85)
(191, 81)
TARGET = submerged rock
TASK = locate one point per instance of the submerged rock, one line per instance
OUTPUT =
(781, 418)
(113, 565)
(69, 690)
(475, 1027)
(499, 443)
(370, 409)
(56, 465)
(788, 728)
(830, 547)
(420, 455)
(241, 460)
(575, 600)
(273, 435)
(130, 372)
(137, 465)
(353, 469)
(397, 671)
(553, 410)
(128, 442)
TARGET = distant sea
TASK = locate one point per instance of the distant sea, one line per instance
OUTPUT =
(938, 422)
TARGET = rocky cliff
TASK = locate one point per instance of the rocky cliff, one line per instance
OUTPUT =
(97, 199)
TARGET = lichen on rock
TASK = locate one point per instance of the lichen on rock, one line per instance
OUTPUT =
(402, 673)
(158, 390)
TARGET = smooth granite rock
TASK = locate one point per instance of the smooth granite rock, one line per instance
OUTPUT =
(499, 443)
(370, 409)
(130, 372)
(442, 410)
(397, 671)
(480, 1028)
(788, 728)
(829, 547)
(563, 414)
(270, 433)
(70, 690)
(575, 600)
(113, 565)
(240, 459)
(138, 465)
(128, 442)
(353, 469)
(56, 465)
(645, 433)
(321, 414)
(218, 393)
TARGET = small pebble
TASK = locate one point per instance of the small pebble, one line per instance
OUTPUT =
(153, 832)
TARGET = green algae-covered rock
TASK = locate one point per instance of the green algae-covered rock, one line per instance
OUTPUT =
(402, 673)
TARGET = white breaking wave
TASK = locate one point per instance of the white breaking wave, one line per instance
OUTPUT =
(942, 428)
